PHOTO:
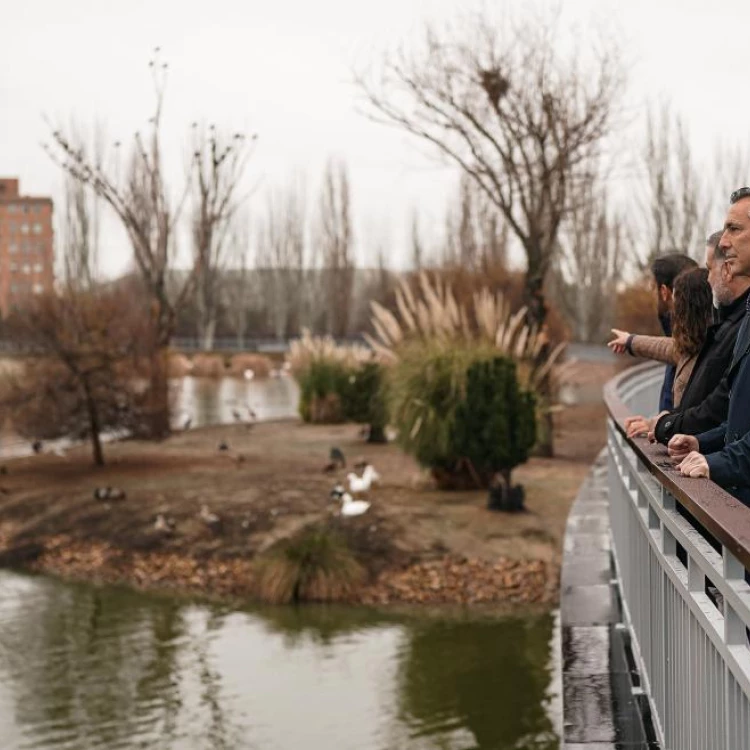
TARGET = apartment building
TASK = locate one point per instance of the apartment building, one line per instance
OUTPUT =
(26, 251)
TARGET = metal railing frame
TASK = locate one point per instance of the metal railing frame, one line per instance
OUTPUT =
(692, 653)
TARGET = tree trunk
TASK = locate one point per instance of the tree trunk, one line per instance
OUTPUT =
(207, 334)
(157, 406)
(94, 425)
(536, 316)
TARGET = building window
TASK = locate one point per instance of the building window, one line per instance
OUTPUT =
(12, 227)
(37, 228)
(12, 208)
(13, 266)
(14, 288)
(38, 288)
(13, 247)
(26, 268)
(24, 228)
(38, 267)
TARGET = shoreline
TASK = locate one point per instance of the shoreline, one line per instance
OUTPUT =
(419, 547)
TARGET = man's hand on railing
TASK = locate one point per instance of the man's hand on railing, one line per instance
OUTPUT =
(682, 445)
(693, 465)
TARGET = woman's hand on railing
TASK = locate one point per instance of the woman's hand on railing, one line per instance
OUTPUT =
(682, 445)
(618, 343)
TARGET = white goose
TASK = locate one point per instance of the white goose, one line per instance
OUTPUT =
(351, 507)
(357, 484)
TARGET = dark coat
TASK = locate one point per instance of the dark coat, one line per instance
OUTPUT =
(727, 447)
(705, 402)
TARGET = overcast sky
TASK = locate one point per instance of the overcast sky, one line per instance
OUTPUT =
(282, 69)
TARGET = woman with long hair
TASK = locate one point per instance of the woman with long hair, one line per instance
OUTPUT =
(691, 317)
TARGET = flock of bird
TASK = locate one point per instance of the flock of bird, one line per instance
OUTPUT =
(359, 484)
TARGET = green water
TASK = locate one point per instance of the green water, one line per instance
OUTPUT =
(84, 667)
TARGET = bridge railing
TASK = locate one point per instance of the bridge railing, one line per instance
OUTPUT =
(682, 549)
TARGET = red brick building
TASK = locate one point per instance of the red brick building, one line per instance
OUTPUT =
(26, 251)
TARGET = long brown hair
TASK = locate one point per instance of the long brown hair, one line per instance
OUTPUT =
(693, 305)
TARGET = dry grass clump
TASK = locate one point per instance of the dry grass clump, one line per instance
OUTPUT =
(179, 365)
(434, 315)
(258, 363)
(308, 350)
(315, 566)
(209, 366)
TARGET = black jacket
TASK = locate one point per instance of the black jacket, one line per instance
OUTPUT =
(727, 447)
(705, 402)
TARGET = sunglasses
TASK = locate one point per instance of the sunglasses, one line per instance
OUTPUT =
(743, 192)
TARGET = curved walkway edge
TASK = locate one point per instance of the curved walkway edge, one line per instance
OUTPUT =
(604, 707)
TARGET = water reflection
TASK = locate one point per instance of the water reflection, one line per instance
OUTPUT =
(214, 400)
(84, 667)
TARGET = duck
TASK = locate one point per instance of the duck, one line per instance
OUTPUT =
(163, 525)
(351, 507)
(371, 472)
(358, 484)
(337, 456)
(210, 519)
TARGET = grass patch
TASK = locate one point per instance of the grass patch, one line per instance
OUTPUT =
(314, 566)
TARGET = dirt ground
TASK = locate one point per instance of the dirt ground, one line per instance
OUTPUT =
(267, 487)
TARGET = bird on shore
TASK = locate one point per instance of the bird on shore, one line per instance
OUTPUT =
(187, 423)
(36, 446)
(352, 507)
(237, 416)
(337, 456)
(223, 446)
(210, 519)
(370, 471)
(109, 493)
(164, 525)
(358, 485)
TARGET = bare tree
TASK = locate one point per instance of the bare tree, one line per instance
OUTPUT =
(138, 193)
(590, 260)
(87, 351)
(335, 238)
(520, 117)
(80, 221)
(217, 167)
(417, 246)
(281, 243)
(676, 202)
(237, 288)
(476, 234)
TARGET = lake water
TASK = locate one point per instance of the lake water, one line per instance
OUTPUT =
(84, 668)
(206, 401)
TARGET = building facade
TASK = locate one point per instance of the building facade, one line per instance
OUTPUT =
(26, 246)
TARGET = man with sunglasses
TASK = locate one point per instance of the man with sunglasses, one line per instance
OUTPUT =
(723, 453)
